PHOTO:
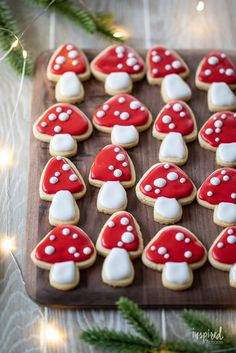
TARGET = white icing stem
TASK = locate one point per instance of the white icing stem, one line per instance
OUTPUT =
(69, 85)
(221, 94)
(168, 208)
(225, 212)
(175, 87)
(118, 81)
(62, 143)
(173, 146)
(64, 274)
(232, 276)
(117, 266)
(226, 152)
(177, 273)
(63, 206)
(112, 195)
(124, 135)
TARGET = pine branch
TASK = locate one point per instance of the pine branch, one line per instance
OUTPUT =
(83, 17)
(113, 341)
(136, 318)
(186, 347)
(7, 27)
(201, 324)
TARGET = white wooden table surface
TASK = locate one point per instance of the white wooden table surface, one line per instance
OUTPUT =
(173, 22)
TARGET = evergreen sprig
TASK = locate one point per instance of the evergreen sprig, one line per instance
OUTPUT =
(148, 340)
(7, 27)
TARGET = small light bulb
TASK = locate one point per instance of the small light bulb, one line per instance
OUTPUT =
(15, 43)
(118, 34)
(49, 334)
(24, 53)
(200, 6)
(6, 158)
(7, 245)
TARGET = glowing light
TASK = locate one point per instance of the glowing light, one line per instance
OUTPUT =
(25, 54)
(7, 245)
(200, 6)
(15, 43)
(50, 335)
(6, 158)
(120, 34)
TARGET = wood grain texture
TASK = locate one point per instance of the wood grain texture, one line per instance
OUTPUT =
(215, 27)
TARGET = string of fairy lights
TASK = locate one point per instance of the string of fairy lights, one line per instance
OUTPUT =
(50, 334)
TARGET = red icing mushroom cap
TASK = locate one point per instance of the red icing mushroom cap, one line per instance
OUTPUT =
(62, 119)
(175, 116)
(123, 110)
(224, 248)
(66, 58)
(217, 67)
(219, 128)
(111, 164)
(165, 179)
(119, 58)
(163, 61)
(120, 231)
(218, 187)
(65, 243)
(175, 244)
(61, 174)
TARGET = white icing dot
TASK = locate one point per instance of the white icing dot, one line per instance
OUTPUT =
(135, 105)
(111, 224)
(117, 173)
(127, 237)
(49, 250)
(209, 131)
(167, 256)
(120, 66)
(168, 67)
(217, 130)
(117, 149)
(162, 250)
(75, 236)
(223, 55)
(157, 191)
(167, 53)
(69, 47)
(221, 71)
(52, 117)
(71, 250)
(223, 116)
(116, 113)
(131, 61)
(153, 248)
(65, 231)
(129, 228)
(147, 187)
(220, 245)
(44, 124)
(58, 109)
(106, 107)
(53, 180)
(176, 64)
(125, 164)
(52, 237)
(136, 67)
(177, 107)
(230, 231)
(124, 116)
(217, 139)
(226, 178)
(120, 243)
(171, 126)
(121, 99)
(166, 119)
(166, 166)
(63, 116)
(73, 177)
(156, 58)
(87, 250)
(77, 254)
(179, 236)
(231, 239)
(182, 114)
(124, 221)
(207, 72)
(56, 67)
(187, 240)
(188, 254)
(218, 123)
(154, 52)
(213, 60)
(120, 156)
(69, 111)
(229, 72)
(215, 181)
(66, 167)
(223, 172)
(154, 71)
(182, 180)
(60, 59)
(209, 193)
(100, 114)
(120, 55)
(57, 174)
(233, 195)
(75, 62)
(111, 167)
(58, 158)
(159, 182)
(73, 54)
(119, 49)
(57, 128)
(172, 176)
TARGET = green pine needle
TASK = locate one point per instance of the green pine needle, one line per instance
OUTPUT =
(201, 324)
(7, 27)
(137, 319)
(186, 347)
(113, 341)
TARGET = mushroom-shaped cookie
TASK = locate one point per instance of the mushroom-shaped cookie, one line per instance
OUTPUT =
(68, 58)
(215, 67)
(62, 125)
(118, 65)
(162, 61)
(220, 97)
(113, 171)
(166, 187)
(61, 174)
(123, 116)
(218, 192)
(222, 254)
(64, 251)
(176, 252)
(174, 87)
(69, 89)
(119, 240)
(219, 134)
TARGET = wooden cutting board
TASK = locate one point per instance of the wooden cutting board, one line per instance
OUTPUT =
(210, 288)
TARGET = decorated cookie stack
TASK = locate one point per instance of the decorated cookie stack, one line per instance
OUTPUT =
(66, 248)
